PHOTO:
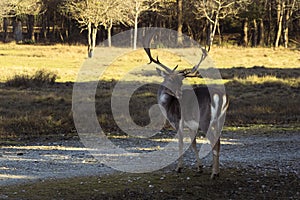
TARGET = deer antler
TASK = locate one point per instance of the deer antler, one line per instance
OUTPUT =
(156, 61)
(189, 72)
(203, 56)
(185, 72)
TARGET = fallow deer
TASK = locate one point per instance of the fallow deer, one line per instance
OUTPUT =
(205, 112)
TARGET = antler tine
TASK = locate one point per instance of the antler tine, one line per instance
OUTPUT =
(148, 51)
(204, 55)
(175, 68)
(188, 73)
(197, 74)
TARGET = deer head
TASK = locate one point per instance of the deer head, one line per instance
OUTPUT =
(173, 79)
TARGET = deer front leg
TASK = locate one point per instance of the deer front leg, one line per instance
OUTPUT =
(180, 145)
(216, 161)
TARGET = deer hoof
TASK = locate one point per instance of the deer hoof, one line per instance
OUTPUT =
(200, 169)
(214, 176)
(179, 169)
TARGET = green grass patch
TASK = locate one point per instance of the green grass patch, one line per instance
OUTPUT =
(233, 184)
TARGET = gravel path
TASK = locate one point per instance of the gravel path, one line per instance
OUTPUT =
(41, 161)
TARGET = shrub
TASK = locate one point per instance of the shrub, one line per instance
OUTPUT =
(39, 79)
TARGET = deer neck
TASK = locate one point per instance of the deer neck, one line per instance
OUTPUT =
(163, 97)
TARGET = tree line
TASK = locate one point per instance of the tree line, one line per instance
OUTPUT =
(271, 23)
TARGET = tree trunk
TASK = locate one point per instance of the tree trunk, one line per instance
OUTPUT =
(54, 27)
(90, 48)
(279, 23)
(180, 22)
(220, 36)
(245, 33)
(109, 33)
(94, 38)
(261, 35)
(190, 32)
(269, 25)
(213, 27)
(255, 31)
(30, 28)
(285, 30)
(135, 31)
(288, 12)
(5, 29)
(18, 33)
(44, 27)
(209, 33)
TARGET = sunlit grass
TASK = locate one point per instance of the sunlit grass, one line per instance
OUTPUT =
(63, 60)
(262, 128)
(66, 61)
(254, 79)
(227, 57)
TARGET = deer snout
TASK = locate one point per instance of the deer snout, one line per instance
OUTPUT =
(178, 94)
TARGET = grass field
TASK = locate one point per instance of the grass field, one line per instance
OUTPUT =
(26, 59)
(66, 60)
(261, 95)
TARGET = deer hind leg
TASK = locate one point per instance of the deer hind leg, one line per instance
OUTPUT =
(217, 146)
(199, 165)
(216, 161)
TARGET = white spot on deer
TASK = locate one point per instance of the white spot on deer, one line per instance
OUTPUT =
(224, 106)
(214, 108)
(163, 98)
(215, 153)
(193, 125)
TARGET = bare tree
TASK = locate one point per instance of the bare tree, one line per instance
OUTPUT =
(135, 9)
(280, 6)
(115, 16)
(180, 21)
(6, 8)
(245, 32)
(12, 8)
(31, 8)
(91, 14)
(285, 10)
(6, 11)
(261, 33)
(215, 10)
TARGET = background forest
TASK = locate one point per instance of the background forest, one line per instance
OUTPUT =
(270, 23)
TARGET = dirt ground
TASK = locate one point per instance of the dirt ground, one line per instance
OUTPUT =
(255, 164)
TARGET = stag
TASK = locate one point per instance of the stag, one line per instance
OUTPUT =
(179, 109)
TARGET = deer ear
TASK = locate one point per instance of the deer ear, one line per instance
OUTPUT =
(160, 72)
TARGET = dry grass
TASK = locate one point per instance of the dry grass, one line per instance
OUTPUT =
(258, 95)
(255, 79)
(248, 57)
(66, 61)
(62, 60)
